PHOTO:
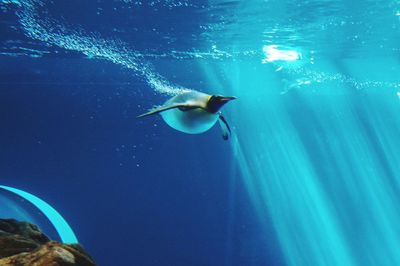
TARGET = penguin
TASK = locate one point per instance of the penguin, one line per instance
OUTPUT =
(193, 112)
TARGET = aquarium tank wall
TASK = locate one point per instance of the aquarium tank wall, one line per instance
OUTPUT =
(310, 174)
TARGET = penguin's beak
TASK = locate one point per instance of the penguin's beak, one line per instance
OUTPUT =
(216, 102)
(227, 99)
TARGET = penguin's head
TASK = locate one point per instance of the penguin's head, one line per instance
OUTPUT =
(217, 101)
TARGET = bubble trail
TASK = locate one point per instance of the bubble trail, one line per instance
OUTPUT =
(115, 51)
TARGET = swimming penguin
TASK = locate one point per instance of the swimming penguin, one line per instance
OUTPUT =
(193, 112)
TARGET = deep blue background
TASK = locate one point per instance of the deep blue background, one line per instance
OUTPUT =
(309, 178)
(135, 191)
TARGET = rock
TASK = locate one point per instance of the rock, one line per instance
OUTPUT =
(11, 245)
(50, 254)
(17, 237)
(24, 229)
(23, 244)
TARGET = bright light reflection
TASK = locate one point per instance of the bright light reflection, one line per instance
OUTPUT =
(273, 53)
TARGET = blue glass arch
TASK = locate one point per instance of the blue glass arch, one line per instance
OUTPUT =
(63, 229)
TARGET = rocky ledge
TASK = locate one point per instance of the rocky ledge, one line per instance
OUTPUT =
(23, 244)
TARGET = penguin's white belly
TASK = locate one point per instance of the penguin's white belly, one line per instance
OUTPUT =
(194, 121)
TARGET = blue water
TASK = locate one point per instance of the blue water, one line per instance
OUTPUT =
(311, 175)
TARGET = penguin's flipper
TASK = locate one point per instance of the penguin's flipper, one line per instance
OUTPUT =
(226, 130)
(181, 106)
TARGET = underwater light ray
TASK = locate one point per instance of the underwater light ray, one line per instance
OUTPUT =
(331, 191)
(266, 186)
(63, 229)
